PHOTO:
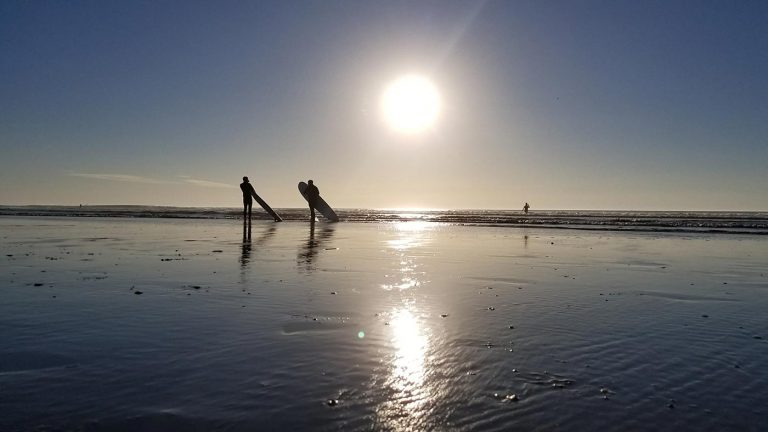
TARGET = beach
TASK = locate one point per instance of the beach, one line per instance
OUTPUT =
(196, 324)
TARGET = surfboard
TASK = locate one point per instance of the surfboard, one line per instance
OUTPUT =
(321, 206)
(266, 207)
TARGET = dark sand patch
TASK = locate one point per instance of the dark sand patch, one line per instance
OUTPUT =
(19, 361)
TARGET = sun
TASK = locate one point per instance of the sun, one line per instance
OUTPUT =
(411, 104)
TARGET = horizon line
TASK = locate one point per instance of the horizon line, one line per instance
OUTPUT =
(393, 209)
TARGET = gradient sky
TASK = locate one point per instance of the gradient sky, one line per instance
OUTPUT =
(656, 105)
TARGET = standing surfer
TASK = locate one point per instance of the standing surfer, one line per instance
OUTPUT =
(525, 208)
(248, 192)
(313, 194)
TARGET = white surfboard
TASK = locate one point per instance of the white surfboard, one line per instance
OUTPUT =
(321, 206)
(267, 208)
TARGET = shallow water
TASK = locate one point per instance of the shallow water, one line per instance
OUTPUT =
(400, 326)
(732, 222)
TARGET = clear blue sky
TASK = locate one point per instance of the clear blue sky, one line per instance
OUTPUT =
(564, 104)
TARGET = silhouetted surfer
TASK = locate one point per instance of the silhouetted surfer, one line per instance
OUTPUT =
(248, 193)
(313, 193)
(525, 208)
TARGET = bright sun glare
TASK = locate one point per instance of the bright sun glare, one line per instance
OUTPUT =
(411, 104)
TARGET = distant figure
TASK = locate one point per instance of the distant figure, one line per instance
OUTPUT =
(313, 193)
(525, 208)
(248, 193)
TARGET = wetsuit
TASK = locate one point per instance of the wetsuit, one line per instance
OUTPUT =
(313, 194)
(248, 193)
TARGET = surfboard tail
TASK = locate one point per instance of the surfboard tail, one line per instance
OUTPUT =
(267, 208)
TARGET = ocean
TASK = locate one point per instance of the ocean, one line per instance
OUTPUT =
(731, 222)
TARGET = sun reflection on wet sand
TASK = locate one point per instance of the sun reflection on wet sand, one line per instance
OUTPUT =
(410, 236)
(409, 398)
(410, 345)
(414, 226)
(406, 384)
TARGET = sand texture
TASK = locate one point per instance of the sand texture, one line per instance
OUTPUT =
(159, 324)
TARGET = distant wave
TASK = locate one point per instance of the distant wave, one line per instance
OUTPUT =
(655, 221)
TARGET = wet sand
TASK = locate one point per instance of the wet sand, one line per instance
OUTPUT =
(116, 324)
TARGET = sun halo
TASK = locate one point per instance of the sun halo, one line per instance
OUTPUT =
(411, 104)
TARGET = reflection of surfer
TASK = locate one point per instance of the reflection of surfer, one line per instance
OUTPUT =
(248, 192)
(261, 240)
(245, 256)
(310, 249)
(313, 193)
(525, 208)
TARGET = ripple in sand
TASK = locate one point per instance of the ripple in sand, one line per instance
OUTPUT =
(32, 360)
(546, 379)
(684, 297)
(314, 324)
(649, 264)
(511, 281)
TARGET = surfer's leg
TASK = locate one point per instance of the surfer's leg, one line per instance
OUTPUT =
(247, 208)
